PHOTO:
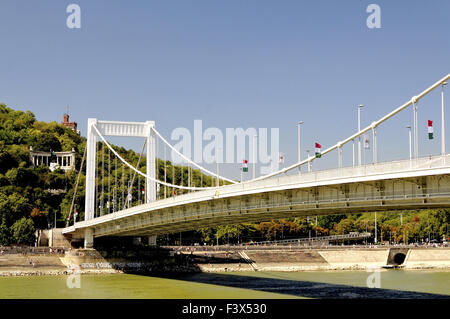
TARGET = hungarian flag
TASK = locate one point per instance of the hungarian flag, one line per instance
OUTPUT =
(245, 166)
(318, 150)
(76, 214)
(174, 193)
(143, 191)
(430, 130)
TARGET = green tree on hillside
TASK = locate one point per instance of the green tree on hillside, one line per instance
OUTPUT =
(23, 231)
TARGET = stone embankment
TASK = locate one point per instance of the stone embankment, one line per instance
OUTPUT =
(192, 259)
(329, 259)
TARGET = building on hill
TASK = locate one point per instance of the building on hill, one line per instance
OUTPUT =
(72, 125)
(53, 160)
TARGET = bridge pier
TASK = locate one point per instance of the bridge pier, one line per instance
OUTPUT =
(152, 240)
(88, 238)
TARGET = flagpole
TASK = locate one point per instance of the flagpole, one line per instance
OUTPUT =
(359, 137)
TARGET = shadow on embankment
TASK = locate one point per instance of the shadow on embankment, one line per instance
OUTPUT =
(167, 263)
(298, 288)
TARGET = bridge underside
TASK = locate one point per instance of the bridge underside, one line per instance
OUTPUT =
(356, 197)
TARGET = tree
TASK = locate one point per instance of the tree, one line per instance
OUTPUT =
(345, 226)
(23, 231)
(48, 142)
(39, 217)
(5, 235)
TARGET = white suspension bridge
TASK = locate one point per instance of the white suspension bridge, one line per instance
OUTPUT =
(114, 207)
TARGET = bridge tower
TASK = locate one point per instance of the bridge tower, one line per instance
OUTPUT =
(115, 128)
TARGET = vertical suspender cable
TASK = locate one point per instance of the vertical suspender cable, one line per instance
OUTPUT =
(122, 205)
(109, 181)
(134, 174)
(115, 187)
(96, 181)
(76, 186)
(165, 173)
(102, 199)
(139, 189)
(173, 179)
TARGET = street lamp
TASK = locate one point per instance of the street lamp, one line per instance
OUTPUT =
(443, 121)
(298, 143)
(359, 129)
(410, 141)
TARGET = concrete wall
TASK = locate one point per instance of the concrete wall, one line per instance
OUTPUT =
(356, 258)
(57, 239)
(42, 237)
(428, 258)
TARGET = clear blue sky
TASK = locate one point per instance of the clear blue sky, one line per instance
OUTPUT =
(230, 63)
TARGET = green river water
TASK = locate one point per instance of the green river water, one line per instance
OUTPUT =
(332, 284)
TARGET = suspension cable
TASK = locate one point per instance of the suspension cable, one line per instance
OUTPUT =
(412, 101)
(143, 174)
(189, 160)
(109, 182)
(115, 187)
(137, 166)
(102, 199)
(76, 186)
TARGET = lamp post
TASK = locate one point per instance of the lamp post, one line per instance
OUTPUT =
(359, 137)
(299, 145)
(410, 142)
(443, 121)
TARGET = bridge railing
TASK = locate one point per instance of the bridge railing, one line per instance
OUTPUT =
(315, 239)
(297, 181)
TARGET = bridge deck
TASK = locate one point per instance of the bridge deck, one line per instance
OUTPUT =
(349, 189)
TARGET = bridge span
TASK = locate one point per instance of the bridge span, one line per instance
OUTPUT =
(416, 183)
(398, 185)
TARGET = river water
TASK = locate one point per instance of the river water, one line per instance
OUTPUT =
(324, 284)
